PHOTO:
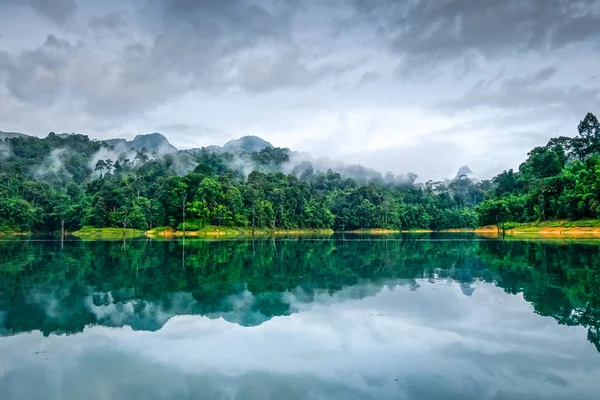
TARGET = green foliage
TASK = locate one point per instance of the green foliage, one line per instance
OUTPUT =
(60, 184)
(192, 225)
(557, 181)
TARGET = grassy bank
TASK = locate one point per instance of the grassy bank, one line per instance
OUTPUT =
(88, 232)
(581, 228)
(375, 231)
(216, 231)
(13, 233)
(6, 230)
(569, 229)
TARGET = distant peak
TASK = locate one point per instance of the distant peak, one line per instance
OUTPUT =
(151, 135)
(246, 144)
(252, 137)
(151, 142)
(464, 170)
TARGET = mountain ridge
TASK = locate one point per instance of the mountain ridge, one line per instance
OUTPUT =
(244, 144)
(153, 142)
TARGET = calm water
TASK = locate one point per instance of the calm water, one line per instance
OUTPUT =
(415, 318)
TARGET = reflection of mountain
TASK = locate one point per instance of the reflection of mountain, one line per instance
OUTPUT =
(145, 283)
(466, 289)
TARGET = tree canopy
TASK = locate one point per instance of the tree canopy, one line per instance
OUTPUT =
(65, 182)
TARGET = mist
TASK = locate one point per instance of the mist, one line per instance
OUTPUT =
(119, 152)
(5, 151)
(53, 167)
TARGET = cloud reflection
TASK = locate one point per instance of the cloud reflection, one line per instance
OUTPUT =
(434, 343)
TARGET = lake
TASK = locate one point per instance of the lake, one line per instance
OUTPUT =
(344, 317)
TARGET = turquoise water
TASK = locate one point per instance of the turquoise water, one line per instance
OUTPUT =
(418, 317)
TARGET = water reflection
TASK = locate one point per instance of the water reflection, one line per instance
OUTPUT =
(63, 287)
(395, 342)
(415, 319)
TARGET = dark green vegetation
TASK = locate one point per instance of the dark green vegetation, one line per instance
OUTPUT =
(62, 287)
(66, 182)
(560, 180)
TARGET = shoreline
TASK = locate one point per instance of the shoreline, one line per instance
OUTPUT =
(568, 229)
(572, 229)
(163, 232)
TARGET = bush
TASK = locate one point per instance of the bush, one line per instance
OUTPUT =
(510, 225)
(190, 226)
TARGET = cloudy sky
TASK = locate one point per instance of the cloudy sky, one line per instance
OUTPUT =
(420, 85)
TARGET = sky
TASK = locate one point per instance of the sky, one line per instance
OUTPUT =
(422, 86)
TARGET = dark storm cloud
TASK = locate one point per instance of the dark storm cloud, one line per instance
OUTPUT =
(60, 11)
(205, 46)
(242, 22)
(403, 71)
(59, 71)
(36, 75)
(234, 43)
(112, 21)
(426, 32)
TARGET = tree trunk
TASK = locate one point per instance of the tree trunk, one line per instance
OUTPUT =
(62, 227)
(183, 212)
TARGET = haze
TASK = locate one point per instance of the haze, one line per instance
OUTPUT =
(417, 86)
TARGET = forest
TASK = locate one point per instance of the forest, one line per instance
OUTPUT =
(64, 182)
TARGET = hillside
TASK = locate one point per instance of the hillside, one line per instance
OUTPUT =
(245, 144)
(10, 135)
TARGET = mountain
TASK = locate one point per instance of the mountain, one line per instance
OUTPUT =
(213, 148)
(246, 144)
(153, 142)
(116, 142)
(464, 170)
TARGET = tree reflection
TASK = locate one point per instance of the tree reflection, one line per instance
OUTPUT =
(64, 286)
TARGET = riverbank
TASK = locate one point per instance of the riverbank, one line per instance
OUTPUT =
(88, 232)
(215, 231)
(8, 233)
(381, 231)
(567, 229)
(582, 228)
(373, 231)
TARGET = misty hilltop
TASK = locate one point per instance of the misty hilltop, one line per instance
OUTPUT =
(245, 144)
(9, 135)
(464, 170)
(153, 142)
(246, 154)
(71, 181)
(68, 181)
